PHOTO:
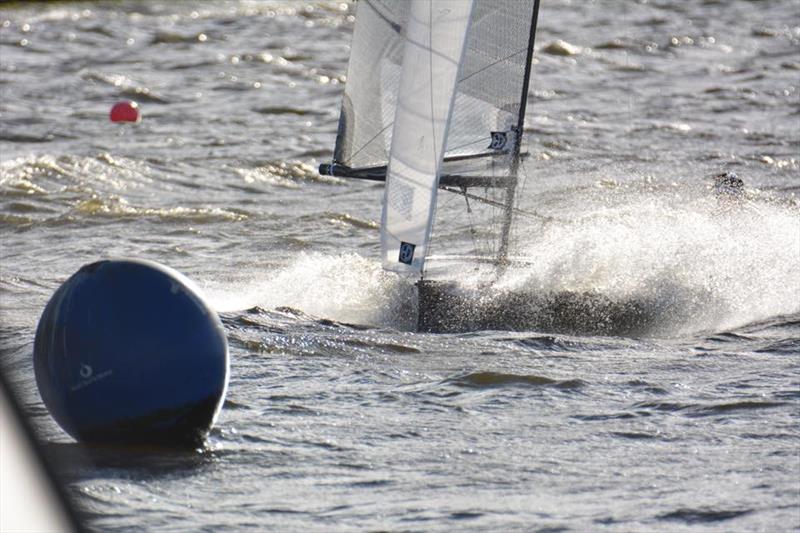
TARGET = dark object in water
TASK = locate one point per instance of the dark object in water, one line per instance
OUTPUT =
(127, 351)
(444, 307)
(728, 185)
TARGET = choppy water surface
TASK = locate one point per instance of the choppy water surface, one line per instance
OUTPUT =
(339, 416)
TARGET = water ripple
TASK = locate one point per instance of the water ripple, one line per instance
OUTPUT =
(486, 380)
(701, 516)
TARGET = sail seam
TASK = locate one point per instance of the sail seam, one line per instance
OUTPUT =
(368, 142)
(490, 65)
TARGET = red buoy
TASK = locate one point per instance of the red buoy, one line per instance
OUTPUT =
(125, 111)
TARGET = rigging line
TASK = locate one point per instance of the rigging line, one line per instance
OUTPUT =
(525, 213)
(493, 63)
(471, 224)
(524, 181)
(495, 203)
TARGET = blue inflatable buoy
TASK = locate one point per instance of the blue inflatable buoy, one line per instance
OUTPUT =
(127, 351)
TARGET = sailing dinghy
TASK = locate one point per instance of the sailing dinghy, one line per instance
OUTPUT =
(434, 105)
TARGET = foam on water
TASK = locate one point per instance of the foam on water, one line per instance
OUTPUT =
(48, 174)
(690, 261)
(345, 288)
(698, 262)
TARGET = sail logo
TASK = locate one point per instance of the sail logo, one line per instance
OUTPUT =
(406, 252)
(499, 140)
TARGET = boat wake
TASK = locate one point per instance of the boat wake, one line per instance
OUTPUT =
(632, 262)
(346, 288)
(639, 260)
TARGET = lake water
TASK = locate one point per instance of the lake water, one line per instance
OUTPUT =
(338, 415)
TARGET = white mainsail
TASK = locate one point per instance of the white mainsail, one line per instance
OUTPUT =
(434, 43)
(435, 99)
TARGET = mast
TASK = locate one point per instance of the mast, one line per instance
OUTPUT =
(508, 208)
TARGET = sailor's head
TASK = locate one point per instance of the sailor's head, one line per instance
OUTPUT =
(728, 183)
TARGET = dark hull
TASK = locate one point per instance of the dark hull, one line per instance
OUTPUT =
(444, 307)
